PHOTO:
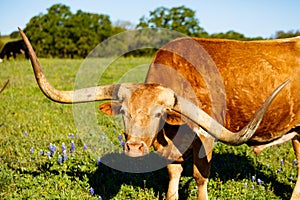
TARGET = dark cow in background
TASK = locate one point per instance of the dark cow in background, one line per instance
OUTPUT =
(13, 48)
(175, 101)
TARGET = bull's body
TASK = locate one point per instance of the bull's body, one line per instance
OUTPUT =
(250, 72)
(241, 75)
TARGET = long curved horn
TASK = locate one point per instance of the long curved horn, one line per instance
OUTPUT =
(218, 131)
(3, 87)
(107, 92)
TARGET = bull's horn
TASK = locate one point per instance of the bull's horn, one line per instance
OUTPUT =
(98, 93)
(218, 131)
(5, 84)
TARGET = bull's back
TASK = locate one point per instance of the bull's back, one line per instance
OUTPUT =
(250, 71)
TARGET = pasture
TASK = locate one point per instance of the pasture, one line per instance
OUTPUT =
(34, 132)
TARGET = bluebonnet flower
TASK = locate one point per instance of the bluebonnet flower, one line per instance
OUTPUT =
(41, 152)
(295, 162)
(60, 159)
(49, 155)
(99, 198)
(25, 133)
(65, 156)
(31, 150)
(98, 161)
(122, 143)
(72, 149)
(281, 162)
(70, 135)
(253, 178)
(120, 137)
(279, 170)
(259, 181)
(245, 185)
(63, 147)
(92, 191)
(84, 147)
(291, 179)
(52, 149)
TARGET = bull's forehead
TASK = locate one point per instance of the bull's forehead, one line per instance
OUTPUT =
(145, 97)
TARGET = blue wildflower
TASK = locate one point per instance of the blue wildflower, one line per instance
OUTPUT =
(31, 150)
(41, 152)
(295, 162)
(122, 143)
(25, 133)
(60, 159)
(99, 198)
(245, 185)
(279, 170)
(84, 147)
(281, 162)
(65, 156)
(92, 191)
(253, 178)
(52, 149)
(120, 137)
(259, 181)
(49, 155)
(291, 179)
(63, 147)
(98, 161)
(70, 135)
(72, 149)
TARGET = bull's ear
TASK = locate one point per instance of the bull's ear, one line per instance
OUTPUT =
(174, 118)
(110, 108)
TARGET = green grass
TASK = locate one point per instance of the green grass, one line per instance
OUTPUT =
(26, 174)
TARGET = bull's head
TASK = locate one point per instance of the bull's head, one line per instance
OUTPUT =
(4, 86)
(144, 107)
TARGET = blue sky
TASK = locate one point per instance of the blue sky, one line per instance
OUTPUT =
(250, 17)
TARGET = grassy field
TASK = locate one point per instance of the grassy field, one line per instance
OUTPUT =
(34, 132)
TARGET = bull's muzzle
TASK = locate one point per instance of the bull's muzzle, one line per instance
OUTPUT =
(136, 149)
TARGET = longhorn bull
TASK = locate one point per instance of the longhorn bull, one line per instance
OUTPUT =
(159, 109)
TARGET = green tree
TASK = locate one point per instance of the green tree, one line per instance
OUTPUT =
(59, 33)
(180, 19)
(289, 34)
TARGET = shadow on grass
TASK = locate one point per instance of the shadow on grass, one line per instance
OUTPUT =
(107, 182)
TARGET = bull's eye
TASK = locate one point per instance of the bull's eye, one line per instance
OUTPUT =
(158, 115)
(122, 111)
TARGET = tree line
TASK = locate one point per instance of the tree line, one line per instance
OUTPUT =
(61, 33)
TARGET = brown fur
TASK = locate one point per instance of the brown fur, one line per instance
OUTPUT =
(250, 71)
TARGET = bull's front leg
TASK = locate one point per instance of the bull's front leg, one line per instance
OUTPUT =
(174, 171)
(201, 169)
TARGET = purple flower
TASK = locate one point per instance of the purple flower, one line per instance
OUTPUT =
(41, 152)
(281, 162)
(92, 191)
(259, 181)
(72, 149)
(60, 159)
(84, 147)
(31, 150)
(98, 161)
(120, 137)
(52, 149)
(253, 178)
(25, 133)
(122, 143)
(49, 155)
(99, 198)
(279, 170)
(65, 156)
(295, 162)
(71, 135)
(291, 179)
(63, 147)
